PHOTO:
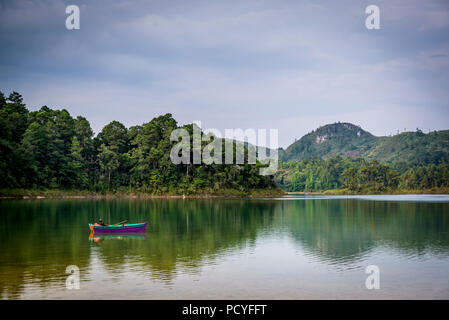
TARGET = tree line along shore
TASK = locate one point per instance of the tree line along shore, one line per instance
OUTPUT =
(50, 154)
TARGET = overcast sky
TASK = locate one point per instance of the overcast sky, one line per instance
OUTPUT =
(291, 65)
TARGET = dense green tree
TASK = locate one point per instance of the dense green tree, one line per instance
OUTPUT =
(13, 123)
(79, 165)
(115, 136)
(46, 146)
(358, 175)
(109, 164)
(150, 154)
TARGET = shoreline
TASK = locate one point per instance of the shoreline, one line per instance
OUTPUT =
(73, 194)
(345, 192)
(64, 194)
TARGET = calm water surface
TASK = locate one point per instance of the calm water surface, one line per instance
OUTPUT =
(310, 247)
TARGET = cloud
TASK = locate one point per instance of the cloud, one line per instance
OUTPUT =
(250, 64)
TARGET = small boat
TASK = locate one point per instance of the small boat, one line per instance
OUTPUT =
(118, 228)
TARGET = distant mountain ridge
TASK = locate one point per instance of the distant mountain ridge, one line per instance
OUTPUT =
(348, 140)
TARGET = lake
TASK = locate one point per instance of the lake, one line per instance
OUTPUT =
(297, 247)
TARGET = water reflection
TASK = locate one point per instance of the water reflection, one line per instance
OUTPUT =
(39, 239)
(98, 237)
(346, 229)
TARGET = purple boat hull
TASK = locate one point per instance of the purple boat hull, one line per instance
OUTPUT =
(122, 228)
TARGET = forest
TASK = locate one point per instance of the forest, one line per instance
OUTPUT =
(51, 150)
(358, 175)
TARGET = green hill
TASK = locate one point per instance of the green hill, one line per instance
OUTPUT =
(413, 147)
(348, 140)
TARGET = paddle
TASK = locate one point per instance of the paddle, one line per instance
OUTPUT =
(121, 222)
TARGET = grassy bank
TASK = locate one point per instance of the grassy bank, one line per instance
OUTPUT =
(125, 193)
(388, 191)
(225, 193)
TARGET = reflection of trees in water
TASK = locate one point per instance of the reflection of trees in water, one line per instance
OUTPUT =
(344, 230)
(35, 245)
(186, 234)
(39, 239)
